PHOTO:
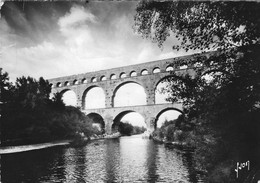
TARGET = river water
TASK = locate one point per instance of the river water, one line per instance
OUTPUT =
(127, 159)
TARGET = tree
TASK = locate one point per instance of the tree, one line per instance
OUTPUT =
(125, 128)
(5, 95)
(5, 87)
(222, 104)
(28, 115)
(200, 25)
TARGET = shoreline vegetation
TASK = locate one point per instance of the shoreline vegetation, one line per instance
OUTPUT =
(175, 133)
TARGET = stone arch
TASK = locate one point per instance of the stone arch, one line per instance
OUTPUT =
(93, 80)
(122, 75)
(112, 76)
(86, 91)
(133, 73)
(124, 83)
(157, 82)
(51, 85)
(103, 78)
(67, 83)
(156, 70)
(120, 115)
(84, 80)
(62, 92)
(75, 82)
(59, 84)
(169, 68)
(183, 66)
(97, 118)
(144, 72)
(164, 110)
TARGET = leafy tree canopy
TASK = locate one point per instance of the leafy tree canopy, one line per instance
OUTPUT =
(222, 100)
(200, 25)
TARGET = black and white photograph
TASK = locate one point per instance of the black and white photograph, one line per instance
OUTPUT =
(138, 91)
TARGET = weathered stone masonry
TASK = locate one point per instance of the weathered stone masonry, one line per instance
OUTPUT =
(147, 75)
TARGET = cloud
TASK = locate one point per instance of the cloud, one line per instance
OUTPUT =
(76, 17)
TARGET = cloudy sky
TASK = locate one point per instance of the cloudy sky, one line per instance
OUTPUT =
(53, 39)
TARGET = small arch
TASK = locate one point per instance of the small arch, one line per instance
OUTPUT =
(169, 68)
(184, 66)
(93, 79)
(177, 113)
(75, 82)
(123, 75)
(84, 80)
(144, 72)
(67, 83)
(51, 85)
(133, 73)
(112, 76)
(103, 78)
(59, 84)
(156, 70)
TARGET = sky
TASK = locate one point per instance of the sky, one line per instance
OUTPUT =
(53, 39)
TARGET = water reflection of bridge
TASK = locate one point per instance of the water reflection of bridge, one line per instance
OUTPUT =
(148, 75)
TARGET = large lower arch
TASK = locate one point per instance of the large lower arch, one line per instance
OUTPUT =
(129, 93)
(98, 121)
(121, 115)
(178, 111)
(93, 98)
(69, 97)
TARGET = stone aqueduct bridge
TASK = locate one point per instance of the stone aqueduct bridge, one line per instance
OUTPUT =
(148, 75)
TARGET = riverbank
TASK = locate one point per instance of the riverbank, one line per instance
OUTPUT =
(23, 148)
(30, 147)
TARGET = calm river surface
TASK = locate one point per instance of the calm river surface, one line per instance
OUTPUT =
(127, 159)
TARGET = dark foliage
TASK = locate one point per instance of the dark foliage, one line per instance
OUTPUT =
(199, 25)
(28, 115)
(125, 128)
(222, 100)
(128, 129)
